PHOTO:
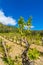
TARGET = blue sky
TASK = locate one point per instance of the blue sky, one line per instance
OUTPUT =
(13, 9)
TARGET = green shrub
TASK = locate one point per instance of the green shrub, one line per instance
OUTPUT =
(33, 54)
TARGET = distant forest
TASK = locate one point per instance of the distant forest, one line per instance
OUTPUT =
(7, 29)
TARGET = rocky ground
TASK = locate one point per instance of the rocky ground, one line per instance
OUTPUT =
(16, 50)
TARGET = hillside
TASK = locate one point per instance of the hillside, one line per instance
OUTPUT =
(5, 28)
(15, 45)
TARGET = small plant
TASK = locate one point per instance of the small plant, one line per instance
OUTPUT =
(8, 60)
(33, 54)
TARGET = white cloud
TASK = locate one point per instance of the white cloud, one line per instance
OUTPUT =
(32, 26)
(6, 20)
(26, 27)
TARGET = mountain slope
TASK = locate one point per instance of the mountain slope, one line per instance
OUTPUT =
(5, 28)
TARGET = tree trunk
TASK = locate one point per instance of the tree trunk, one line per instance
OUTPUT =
(25, 59)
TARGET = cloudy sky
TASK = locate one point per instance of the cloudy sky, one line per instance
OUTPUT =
(11, 10)
(7, 20)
